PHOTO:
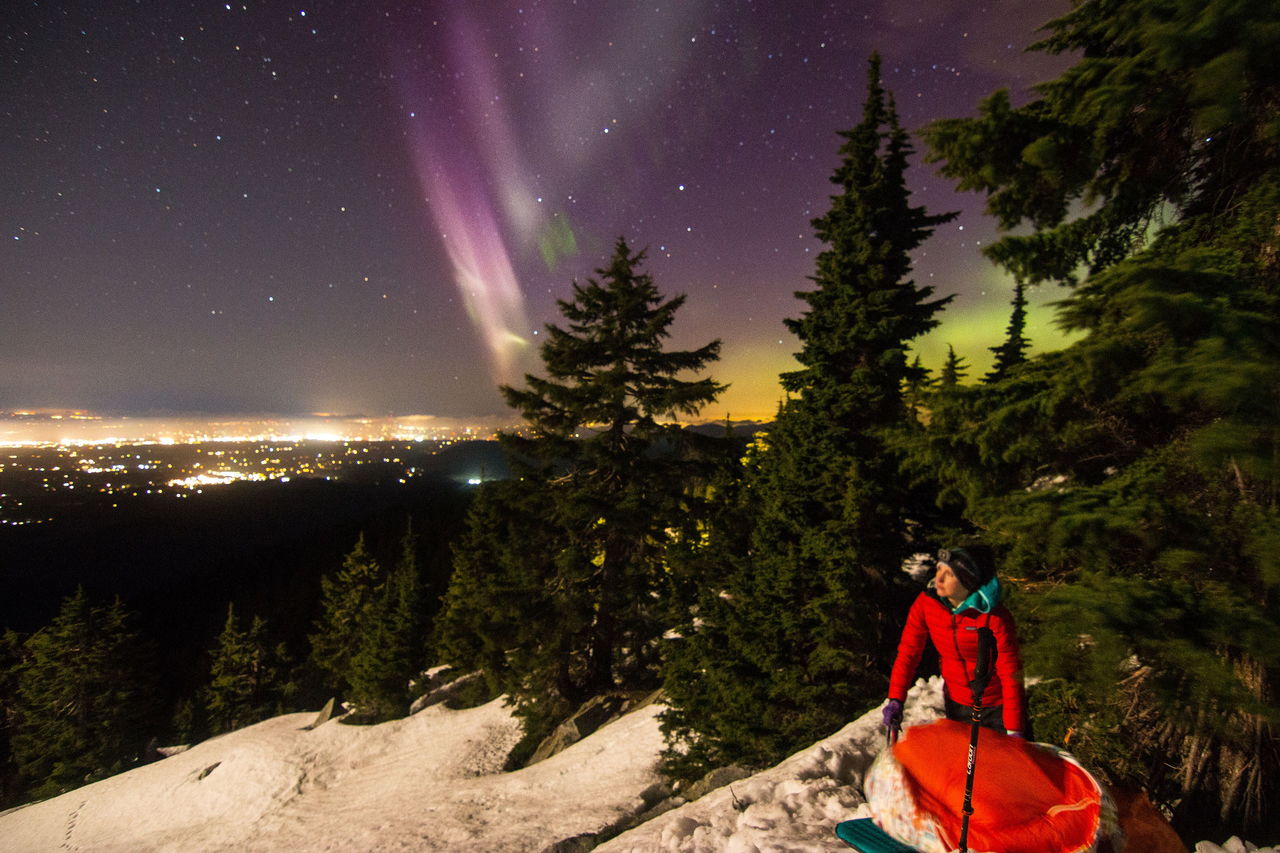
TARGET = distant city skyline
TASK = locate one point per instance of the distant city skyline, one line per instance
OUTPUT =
(68, 426)
(46, 427)
(373, 207)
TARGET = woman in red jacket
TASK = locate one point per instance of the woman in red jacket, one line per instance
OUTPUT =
(963, 596)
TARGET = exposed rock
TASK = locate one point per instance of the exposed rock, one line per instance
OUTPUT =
(643, 701)
(323, 717)
(207, 770)
(592, 715)
(660, 808)
(655, 793)
(717, 778)
(441, 689)
(577, 844)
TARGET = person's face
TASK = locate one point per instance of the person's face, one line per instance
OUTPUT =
(948, 585)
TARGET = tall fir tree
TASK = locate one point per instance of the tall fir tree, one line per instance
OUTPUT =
(345, 600)
(83, 705)
(1013, 350)
(1133, 475)
(809, 612)
(248, 678)
(603, 473)
(954, 369)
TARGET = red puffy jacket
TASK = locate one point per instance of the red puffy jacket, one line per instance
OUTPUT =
(955, 636)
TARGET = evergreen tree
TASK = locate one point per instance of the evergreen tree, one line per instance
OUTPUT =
(919, 386)
(1014, 349)
(82, 705)
(391, 649)
(249, 679)
(188, 723)
(1170, 109)
(559, 582)
(345, 600)
(12, 655)
(499, 608)
(710, 655)
(953, 370)
(809, 614)
(1133, 475)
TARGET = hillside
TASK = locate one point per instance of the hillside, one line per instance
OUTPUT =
(428, 782)
(433, 782)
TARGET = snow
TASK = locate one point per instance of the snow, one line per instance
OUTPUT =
(1233, 845)
(434, 782)
(792, 807)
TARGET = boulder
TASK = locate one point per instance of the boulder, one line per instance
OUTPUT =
(442, 690)
(577, 844)
(717, 778)
(591, 716)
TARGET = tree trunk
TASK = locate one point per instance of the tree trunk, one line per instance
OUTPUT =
(604, 631)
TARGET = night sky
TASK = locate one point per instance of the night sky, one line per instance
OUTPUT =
(371, 207)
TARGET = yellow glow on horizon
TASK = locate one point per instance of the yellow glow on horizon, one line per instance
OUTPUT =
(972, 324)
(751, 372)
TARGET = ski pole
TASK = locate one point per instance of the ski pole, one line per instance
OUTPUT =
(981, 675)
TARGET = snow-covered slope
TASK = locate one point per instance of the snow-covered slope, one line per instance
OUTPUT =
(792, 807)
(433, 782)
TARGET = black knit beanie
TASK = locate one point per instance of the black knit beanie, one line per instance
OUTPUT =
(969, 567)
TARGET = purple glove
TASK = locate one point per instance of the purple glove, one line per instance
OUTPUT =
(892, 714)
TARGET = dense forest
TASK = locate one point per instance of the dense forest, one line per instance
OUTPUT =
(1127, 483)
(145, 594)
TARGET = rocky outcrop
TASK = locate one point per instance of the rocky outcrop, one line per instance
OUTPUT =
(594, 713)
(587, 719)
(441, 686)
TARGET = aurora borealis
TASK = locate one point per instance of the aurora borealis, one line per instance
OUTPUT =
(372, 207)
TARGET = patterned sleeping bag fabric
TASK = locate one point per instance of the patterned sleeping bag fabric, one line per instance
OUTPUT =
(1027, 797)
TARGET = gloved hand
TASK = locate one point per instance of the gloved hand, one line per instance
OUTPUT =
(892, 714)
(1018, 735)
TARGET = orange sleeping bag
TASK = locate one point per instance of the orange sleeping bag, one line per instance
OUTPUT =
(1027, 797)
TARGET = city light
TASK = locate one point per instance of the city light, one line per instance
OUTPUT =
(213, 478)
(29, 428)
